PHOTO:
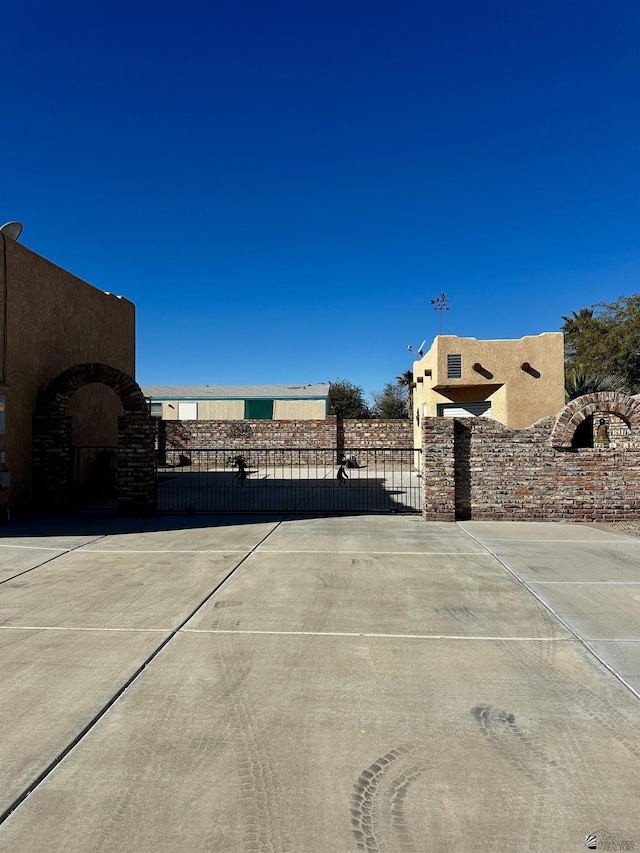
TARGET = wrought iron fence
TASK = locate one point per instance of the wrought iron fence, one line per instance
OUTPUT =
(287, 479)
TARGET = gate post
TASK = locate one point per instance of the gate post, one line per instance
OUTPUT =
(438, 469)
(136, 464)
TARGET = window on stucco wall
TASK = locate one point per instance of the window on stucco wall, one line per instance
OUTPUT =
(454, 367)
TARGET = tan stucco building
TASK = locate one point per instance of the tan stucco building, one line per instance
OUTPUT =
(238, 402)
(515, 382)
(52, 321)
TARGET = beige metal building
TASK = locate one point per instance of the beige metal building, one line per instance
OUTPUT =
(52, 321)
(516, 382)
(238, 402)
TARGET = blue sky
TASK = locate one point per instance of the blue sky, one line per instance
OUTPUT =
(282, 187)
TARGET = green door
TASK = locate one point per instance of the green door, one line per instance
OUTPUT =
(258, 410)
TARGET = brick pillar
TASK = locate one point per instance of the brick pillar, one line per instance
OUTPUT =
(438, 469)
(52, 461)
(136, 464)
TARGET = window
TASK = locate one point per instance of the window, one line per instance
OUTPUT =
(155, 410)
(258, 410)
(454, 367)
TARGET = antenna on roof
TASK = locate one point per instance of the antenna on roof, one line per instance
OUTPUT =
(12, 230)
(420, 350)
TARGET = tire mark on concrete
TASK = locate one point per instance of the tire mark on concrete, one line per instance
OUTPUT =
(262, 815)
(110, 703)
(150, 769)
(365, 822)
(396, 794)
(512, 742)
(514, 746)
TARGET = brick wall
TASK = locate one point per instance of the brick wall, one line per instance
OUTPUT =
(477, 468)
(254, 434)
(378, 433)
(52, 451)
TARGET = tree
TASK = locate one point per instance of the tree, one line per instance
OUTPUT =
(605, 340)
(391, 402)
(405, 380)
(347, 400)
(579, 381)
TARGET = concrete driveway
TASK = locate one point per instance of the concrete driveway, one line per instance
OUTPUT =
(318, 685)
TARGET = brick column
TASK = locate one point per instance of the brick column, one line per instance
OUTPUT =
(136, 464)
(438, 470)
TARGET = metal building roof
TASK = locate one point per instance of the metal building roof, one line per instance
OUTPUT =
(236, 392)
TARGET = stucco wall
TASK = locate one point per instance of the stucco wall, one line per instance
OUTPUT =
(54, 321)
(519, 397)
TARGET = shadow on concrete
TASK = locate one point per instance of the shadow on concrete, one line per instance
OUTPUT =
(108, 523)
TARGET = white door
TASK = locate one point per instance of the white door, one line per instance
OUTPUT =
(187, 411)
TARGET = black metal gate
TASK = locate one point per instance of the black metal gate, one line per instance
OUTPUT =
(289, 480)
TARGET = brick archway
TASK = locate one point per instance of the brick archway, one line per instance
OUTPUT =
(578, 410)
(52, 445)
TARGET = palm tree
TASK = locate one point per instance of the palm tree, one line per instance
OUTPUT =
(579, 381)
(405, 380)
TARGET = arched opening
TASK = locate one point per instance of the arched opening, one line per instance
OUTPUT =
(577, 423)
(91, 402)
(94, 409)
(583, 436)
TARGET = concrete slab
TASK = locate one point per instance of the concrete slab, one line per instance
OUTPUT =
(225, 536)
(20, 558)
(623, 656)
(369, 533)
(358, 683)
(84, 589)
(242, 743)
(599, 561)
(44, 542)
(590, 579)
(419, 594)
(53, 684)
(603, 611)
(538, 531)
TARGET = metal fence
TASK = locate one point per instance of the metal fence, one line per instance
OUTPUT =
(292, 480)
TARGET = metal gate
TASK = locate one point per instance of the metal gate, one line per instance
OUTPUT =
(289, 480)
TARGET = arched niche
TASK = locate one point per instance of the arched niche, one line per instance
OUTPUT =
(576, 412)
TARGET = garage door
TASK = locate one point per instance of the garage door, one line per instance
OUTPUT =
(465, 410)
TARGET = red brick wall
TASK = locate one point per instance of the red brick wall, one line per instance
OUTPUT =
(295, 434)
(245, 435)
(378, 433)
(520, 475)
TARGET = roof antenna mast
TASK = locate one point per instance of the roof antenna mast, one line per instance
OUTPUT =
(441, 303)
